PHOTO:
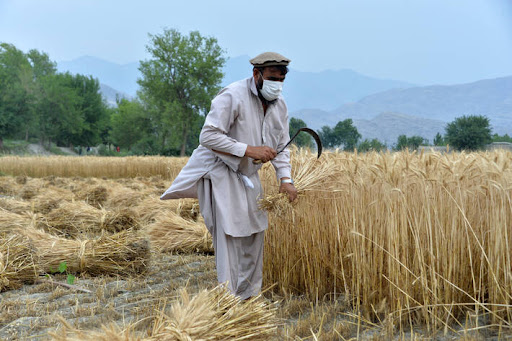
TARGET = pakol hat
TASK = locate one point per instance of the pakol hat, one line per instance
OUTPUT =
(270, 59)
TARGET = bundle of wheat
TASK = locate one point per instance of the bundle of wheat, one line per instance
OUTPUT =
(150, 208)
(8, 185)
(17, 264)
(188, 209)
(29, 191)
(10, 221)
(125, 253)
(309, 174)
(107, 333)
(216, 315)
(170, 232)
(123, 197)
(50, 199)
(120, 219)
(94, 196)
(73, 219)
(14, 206)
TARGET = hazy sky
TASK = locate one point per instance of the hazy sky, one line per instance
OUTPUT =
(420, 41)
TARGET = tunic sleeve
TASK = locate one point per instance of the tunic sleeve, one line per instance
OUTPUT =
(217, 125)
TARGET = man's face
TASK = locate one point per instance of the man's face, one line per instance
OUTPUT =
(269, 73)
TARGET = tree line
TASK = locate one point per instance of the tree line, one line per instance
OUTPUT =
(36, 101)
(176, 87)
(472, 132)
(177, 83)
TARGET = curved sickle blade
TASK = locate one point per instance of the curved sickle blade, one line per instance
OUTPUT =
(310, 132)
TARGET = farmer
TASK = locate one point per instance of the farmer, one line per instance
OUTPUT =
(248, 121)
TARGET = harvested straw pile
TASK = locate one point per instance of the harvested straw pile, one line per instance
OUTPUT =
(10, 222)
(29, 191)
(211, 315)
(94, 196)
(15, 206)
(216, 315)
(110, 333)
(73, 219)
(124, 197)
(122, 253)
(188, 209)
(170, 232)
(150, 208)
(17, 265)
(120, 219)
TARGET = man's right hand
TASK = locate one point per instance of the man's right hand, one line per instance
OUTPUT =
(262, 153)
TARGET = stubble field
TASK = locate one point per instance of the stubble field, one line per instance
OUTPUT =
(378, 246)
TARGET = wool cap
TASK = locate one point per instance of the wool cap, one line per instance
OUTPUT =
(270, 59)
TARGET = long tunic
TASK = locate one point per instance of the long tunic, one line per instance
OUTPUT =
(236, 119)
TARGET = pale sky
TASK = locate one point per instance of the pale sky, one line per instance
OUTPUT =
(419, 41)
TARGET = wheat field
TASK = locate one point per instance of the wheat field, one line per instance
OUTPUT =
(410, 239)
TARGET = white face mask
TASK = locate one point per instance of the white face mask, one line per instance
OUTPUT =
(271, 89)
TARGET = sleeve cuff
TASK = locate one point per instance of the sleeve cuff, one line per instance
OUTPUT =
(283, 173)
(239, 149)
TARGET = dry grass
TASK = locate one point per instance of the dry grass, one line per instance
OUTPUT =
(416, 238)
(125, 253)
(411, 239)
(209, 316)
(17, 263)
(92, 166)
(170, 232)
(216, 315)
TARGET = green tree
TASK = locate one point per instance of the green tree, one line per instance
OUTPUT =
(371, 145)
(92, 109)
(413, 142)
(327, 137)
(303, 139)
(469, 132)
(16, 99)
(346, 134)
(130, 124)
(504, 138)
(439, 140)
(177, 85)
(59, 117)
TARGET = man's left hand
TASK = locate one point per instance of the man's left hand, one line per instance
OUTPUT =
(290, 190)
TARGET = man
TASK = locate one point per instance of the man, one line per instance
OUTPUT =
(247, 123)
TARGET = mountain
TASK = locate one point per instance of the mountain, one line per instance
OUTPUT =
(111, 95)
(490, 97)
(422, 111)
(388, 126)
(123, 78)
(324, 90)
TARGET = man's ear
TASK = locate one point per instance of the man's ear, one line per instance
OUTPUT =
(255, 73)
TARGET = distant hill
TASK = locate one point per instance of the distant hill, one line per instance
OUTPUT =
(422, 111)
(111, 95)
(375, 105)
(320, 90)
(490, 97)
(325, 90)
(123, 78)
(386, 126)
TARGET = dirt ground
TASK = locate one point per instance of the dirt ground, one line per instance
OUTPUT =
(33, 311)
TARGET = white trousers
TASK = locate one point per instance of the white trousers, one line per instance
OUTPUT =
(239, 260)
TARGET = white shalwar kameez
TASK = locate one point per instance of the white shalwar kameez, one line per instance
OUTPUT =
(227, 202)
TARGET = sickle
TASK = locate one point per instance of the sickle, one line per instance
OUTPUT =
(310, 132)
